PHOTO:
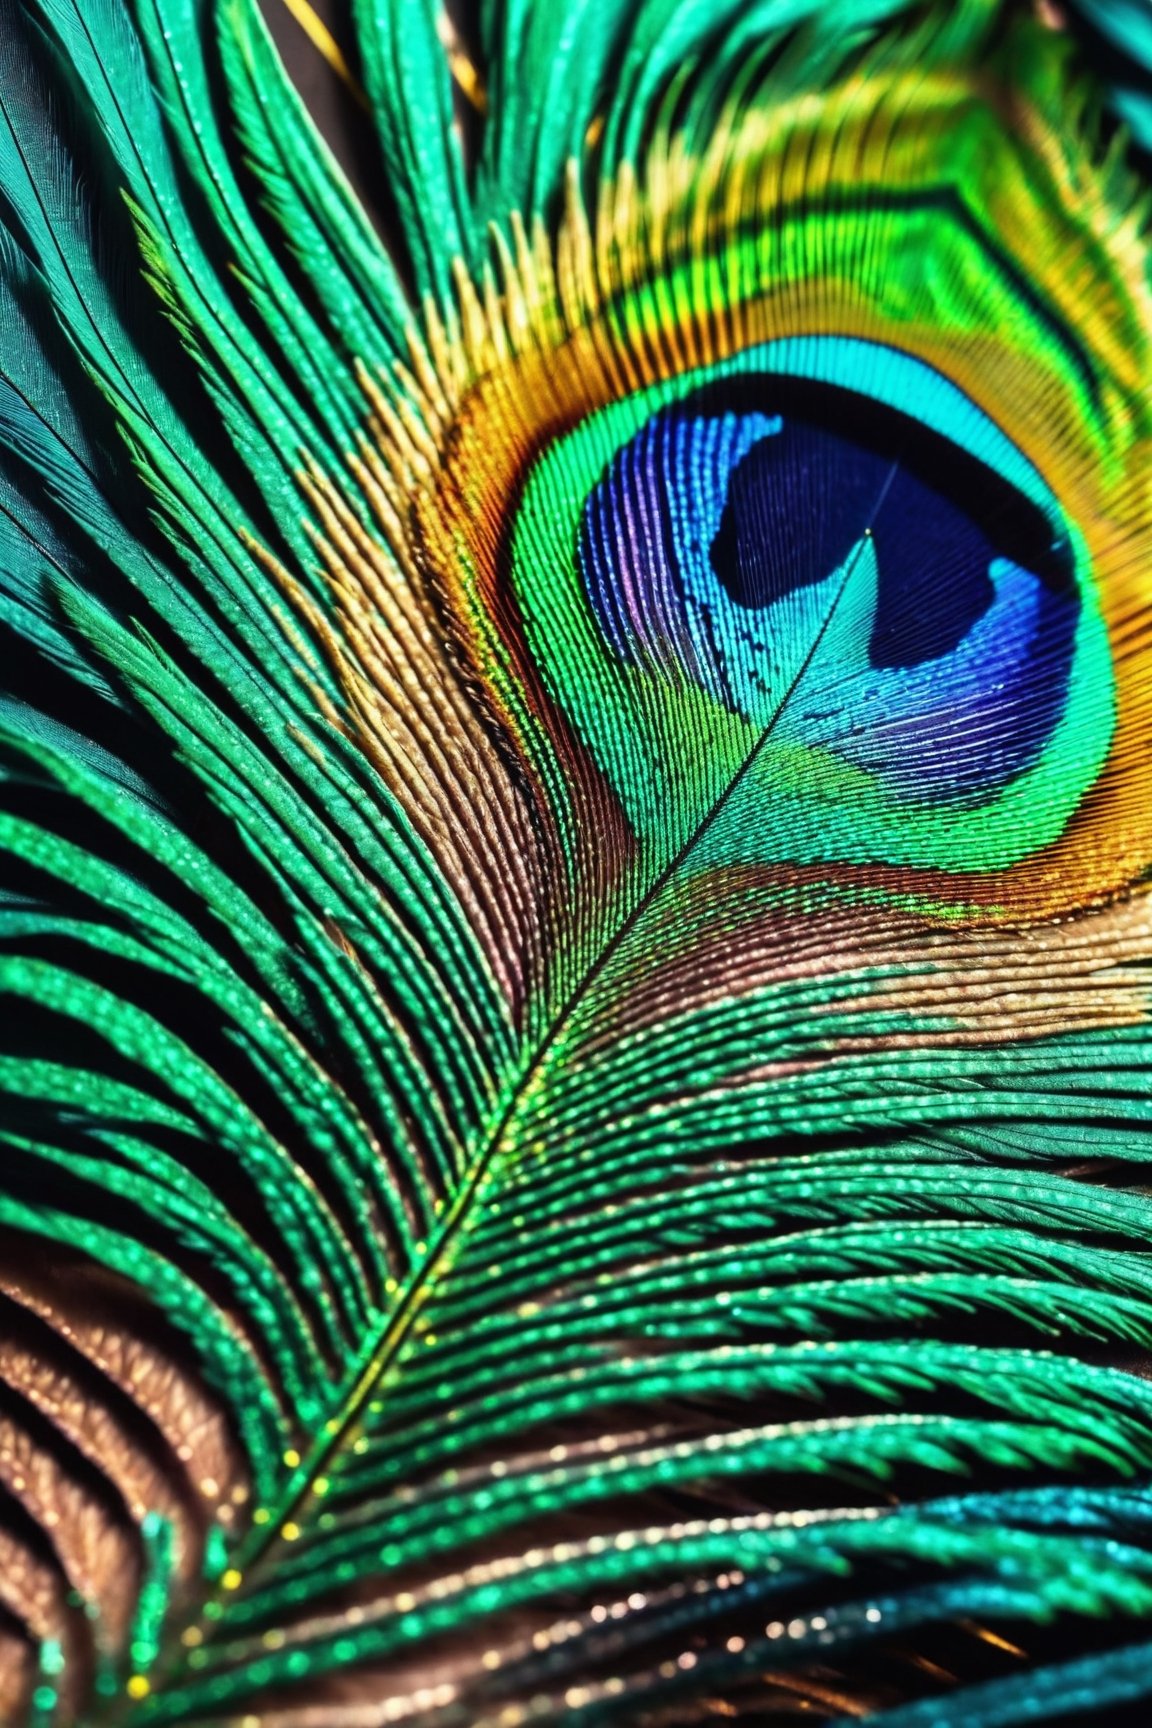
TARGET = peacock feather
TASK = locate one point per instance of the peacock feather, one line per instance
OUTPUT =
(575, 923)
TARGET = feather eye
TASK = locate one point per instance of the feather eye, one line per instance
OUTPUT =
(669, 540)
(574, 873)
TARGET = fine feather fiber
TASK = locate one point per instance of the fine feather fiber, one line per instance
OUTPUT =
(574, 905)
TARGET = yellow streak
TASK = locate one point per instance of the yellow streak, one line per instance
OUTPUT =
(468, 78)
(993, 1638)
(326, 44)
(461, 65)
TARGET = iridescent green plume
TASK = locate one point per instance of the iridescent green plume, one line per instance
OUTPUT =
(575, 919)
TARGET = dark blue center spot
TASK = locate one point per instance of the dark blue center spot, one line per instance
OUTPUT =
(798, 501)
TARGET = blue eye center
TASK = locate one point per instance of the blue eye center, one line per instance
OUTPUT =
(731, 516)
